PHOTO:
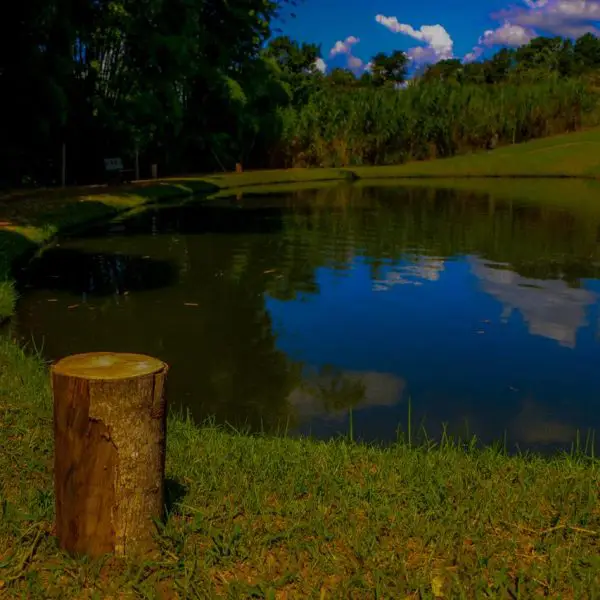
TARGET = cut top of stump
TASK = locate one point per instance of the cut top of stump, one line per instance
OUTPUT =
(108, 366)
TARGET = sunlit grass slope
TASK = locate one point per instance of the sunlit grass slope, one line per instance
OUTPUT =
(569, 155)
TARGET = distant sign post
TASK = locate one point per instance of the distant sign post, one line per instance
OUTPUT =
(113, 164)
(63, 173)
(114, 168)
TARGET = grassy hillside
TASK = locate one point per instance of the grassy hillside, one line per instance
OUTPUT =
(569, 155)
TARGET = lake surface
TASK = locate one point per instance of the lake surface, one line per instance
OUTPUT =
(289, 313)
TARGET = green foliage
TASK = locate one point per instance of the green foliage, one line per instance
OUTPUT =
(428, 120)
(341, 77)
(191, 85)
(293, 57)
(444, 70)
(389, 70)
(115, 76)
(587, 52)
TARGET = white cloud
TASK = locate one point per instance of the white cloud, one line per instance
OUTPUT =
(550, 308)
(473, 55)
(535, 3)
(507, 35)
(570, 18)
(424, 269)
(343, 47)
(354, 62)
(438, 43)
(320, 65)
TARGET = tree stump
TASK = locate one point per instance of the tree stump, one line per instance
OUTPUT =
(109, 456)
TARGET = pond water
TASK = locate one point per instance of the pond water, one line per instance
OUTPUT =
(303, 312)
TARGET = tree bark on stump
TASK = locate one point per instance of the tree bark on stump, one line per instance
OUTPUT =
(109, 455)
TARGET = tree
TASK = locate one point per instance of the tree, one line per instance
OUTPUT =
(297, 66)
(165, 77)
(587, 52)
(389, 70)
(499, 66)
(366, 79)
(292, 56)
(341, 77)
(543, 55)
(34, 79)
(444, 70)
(474, 73)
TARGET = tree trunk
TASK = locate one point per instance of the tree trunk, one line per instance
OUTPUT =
(109, 456)
(63, 170)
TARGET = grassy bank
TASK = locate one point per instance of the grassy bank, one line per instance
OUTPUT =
(569, 155)
(27, 220)
(256, 517)
(31, 218)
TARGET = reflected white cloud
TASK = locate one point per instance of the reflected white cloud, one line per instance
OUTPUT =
(549, 307)
(416, 273)
(334, 394)
(531, 426)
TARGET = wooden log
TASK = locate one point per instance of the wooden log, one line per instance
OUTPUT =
(109, 457)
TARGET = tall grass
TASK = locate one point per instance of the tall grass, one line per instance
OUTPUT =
(429, 120)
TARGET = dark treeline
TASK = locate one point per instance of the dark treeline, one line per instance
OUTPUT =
(198, 85)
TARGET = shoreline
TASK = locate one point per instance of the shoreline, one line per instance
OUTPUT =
(562, 157)
(24, 230)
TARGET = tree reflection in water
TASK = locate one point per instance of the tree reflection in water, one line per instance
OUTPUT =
(196, 285)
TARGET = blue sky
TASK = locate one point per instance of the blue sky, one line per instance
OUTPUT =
(352, 31)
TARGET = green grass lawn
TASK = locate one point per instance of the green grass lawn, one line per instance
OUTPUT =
(260, 517)
(569, 155)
